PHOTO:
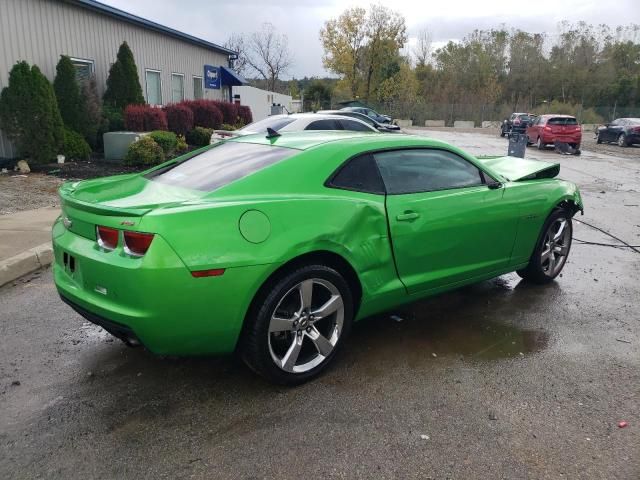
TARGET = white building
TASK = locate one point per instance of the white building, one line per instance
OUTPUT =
(261, 101)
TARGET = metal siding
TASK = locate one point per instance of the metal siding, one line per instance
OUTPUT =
(39, 31)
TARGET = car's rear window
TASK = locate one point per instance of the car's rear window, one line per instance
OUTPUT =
(276, 123)
(634, 121)
(562, 121)
(526, 118)
(221, 165)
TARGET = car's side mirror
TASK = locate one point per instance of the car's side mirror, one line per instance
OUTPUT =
(494, 185)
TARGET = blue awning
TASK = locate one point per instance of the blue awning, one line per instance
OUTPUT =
(231, 78)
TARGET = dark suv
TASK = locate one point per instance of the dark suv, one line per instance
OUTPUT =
(516, 123)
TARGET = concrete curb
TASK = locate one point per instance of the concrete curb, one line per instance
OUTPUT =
(25, 262)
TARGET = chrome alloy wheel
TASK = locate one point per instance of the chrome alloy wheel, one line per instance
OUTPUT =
(557, 240)
(306, 325)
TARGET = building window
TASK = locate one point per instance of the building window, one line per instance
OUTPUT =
(84, 69)
(197, 88)
(177, 87)
(154, 87)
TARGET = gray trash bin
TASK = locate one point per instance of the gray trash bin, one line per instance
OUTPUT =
(517, 145)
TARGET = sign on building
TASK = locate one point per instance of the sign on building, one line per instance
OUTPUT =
(211, 77)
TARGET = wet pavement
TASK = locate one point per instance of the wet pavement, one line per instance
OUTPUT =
(502, 379)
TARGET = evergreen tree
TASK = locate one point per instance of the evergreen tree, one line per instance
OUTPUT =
(70, 100)
(123, 83)
(29, 114)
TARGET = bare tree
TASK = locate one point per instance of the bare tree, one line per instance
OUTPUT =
(267, 52)
(423, 49)
(236, 42)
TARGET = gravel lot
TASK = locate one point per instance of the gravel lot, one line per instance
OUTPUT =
(498, 380)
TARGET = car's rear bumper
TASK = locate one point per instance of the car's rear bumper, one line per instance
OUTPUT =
(577, 139)
(154, 299)
(633, 138)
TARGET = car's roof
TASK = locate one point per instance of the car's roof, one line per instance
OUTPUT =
(547, 115)
(310, 139)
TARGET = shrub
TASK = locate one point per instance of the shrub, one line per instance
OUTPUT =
(134, 117)
(112, 119)
(92, 111)
(144, 118)
(144, 152)
(75, 147)
(226, 126)
(181, 145)
(70, 101)
(29, 114)
(229, 112)
(123, 83)
(179, 118)
(168, 141)
(199, 136)
(244, 113)
(155, 119)
(205, 113)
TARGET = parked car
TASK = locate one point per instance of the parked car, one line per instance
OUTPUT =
(516, 123)
(624, 131)
(296, 122)
(378, 117)
(548, 129)
(272, 246)
(381, 127)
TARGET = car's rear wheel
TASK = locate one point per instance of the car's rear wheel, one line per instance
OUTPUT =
(622, 140)
(299, 325)
(552, 249)
(539, 144)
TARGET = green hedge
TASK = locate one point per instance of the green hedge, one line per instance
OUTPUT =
(168, 141)
(144, 152)
(199, 136)
(75, 147)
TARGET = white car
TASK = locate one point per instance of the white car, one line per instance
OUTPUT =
(296, 122)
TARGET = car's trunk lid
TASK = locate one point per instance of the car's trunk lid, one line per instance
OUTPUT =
(516, 169)
(124, 195)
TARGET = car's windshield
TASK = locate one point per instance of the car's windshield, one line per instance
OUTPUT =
(562, 121)
(220, 165)
(276, 123)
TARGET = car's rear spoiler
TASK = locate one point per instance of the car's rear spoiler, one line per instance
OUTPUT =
(515, 169)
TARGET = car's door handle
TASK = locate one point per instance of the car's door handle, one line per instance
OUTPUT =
(407, 216)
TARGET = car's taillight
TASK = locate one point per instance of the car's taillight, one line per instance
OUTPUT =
(107, 237)
(547, 128)
(137, 243)
(636, 129)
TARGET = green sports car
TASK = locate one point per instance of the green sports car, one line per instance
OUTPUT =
(272, 246)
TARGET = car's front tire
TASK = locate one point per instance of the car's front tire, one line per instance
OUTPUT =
(552, 249)
(298, 325)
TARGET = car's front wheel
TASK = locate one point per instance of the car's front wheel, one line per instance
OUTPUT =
(552, 249)
(298, 325)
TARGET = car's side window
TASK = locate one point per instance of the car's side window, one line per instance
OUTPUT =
(323, 125)
(425, 170)
(354, 126)
(360, 174)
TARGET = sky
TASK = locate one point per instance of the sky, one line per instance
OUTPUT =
(301, 20)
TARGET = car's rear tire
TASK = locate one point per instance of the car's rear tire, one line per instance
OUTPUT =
(540, 144)
(552, 249)
(622, 140)
(298, 325)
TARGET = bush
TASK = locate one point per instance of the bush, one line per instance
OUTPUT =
(199, 136)
(205, 113)
(29, 114)
(112, 119)
(181, 145)
(123, 83)
(229, 112)
(144, 152)
(244, 113)
(179, 118)
(75, 147)
(92, 111)
(168, 141)
(144, 118)
(70, 101)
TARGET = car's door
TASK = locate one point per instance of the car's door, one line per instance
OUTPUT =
(447, 219)
(532, 130)
(613, 130)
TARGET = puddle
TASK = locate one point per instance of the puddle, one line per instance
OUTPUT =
(475, 323)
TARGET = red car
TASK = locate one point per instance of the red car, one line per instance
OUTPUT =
(547, 129)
